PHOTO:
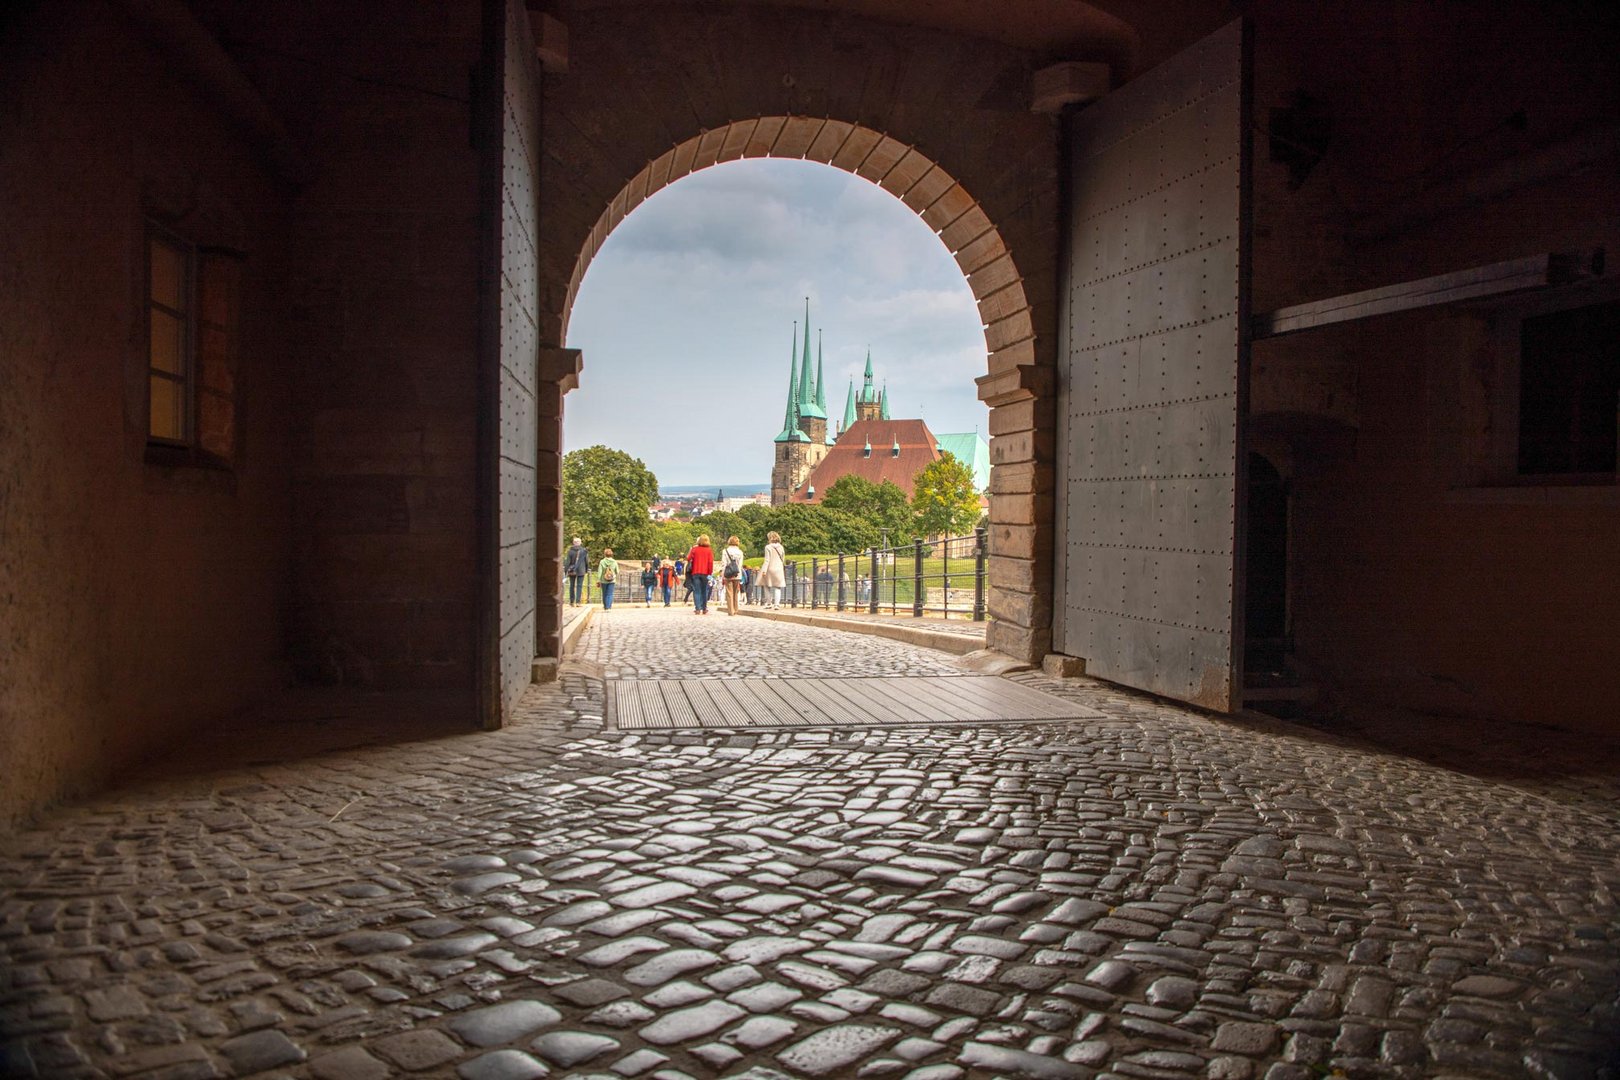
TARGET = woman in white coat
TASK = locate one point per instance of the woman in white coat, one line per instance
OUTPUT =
(773, 571)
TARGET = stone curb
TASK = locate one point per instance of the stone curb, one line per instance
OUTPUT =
(546, 668)
(959, 644)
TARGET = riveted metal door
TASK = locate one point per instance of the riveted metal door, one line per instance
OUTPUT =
(511, 130)
(1153, 378)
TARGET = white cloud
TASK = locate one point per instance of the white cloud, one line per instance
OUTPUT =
(686, 312)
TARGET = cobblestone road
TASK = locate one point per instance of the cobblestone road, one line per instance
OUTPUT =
(1154, 894)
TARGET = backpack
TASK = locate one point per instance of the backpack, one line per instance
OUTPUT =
(733, 567)
(607, 575)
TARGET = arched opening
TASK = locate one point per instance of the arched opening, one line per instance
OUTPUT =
(1018, 475)
(943, 204)
(711, 286)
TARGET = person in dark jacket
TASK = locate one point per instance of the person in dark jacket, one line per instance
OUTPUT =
(649, 578)
(577, 565)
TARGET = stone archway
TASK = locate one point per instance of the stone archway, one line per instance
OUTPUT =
(903, 171)
(939, 120)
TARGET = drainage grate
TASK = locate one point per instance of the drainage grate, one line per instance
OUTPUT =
(650, 704)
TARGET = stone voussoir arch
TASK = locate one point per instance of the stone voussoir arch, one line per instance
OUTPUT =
(904, 171)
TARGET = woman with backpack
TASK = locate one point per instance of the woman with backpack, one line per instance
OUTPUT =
(699, 565)
(731, 571)
(607, 574)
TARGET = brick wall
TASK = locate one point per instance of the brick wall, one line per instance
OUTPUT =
(136, 600)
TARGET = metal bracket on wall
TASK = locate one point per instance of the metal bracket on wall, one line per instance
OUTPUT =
(1514, 276)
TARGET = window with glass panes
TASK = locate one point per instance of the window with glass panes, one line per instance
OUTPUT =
(191, 318)
(169, 288)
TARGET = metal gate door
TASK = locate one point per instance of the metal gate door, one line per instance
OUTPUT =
(511, 197)
(1153, 372)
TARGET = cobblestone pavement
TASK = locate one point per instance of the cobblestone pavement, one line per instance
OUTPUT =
(1154, 894)
(964, 627)
(638, 642)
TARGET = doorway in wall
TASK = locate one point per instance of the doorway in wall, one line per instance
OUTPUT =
(1266, 644)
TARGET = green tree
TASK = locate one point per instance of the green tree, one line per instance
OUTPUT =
(754, 514)
(672, 539)
(606, 494)
(815, 530)
(720, 524)
(943, 502)
(883, 506)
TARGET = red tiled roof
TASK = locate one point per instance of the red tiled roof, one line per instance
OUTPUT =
(918, 448)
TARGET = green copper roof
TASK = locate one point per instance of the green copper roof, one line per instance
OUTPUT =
(821, 384)
(808, 410)
(883, 413)
(970, 449)
(849, 407)
(790, 423)
(868, 395)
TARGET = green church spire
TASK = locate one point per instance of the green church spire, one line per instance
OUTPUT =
(883, 412)
(849, 407)
(808, 409)
(821, 385)
(790, 423)
(868, 395)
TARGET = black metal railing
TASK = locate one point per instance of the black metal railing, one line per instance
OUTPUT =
(943, 577)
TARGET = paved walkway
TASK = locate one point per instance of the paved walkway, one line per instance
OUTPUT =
(1151, 894)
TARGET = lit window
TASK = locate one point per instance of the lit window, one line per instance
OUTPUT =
(168, 314)
(191, 299)
(1569, 391)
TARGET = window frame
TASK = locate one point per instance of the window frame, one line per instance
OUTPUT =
(188, 450)
(1506, 335)
(187, 377)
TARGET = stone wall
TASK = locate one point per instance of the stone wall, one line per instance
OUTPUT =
(137, 600)
(382, 288)
(1420, 576)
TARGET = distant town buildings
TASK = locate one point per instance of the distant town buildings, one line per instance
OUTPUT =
(870, 443)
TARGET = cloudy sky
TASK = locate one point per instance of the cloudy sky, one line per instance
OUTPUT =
(686, 315)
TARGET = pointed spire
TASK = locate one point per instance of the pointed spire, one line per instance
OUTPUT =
(849, 406)
(790, 422)
(807, 395)
(808, 409)
(868, 395)
(883, 412)
(821, 385)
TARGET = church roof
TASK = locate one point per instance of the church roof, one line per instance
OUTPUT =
(866, 450)
(790, 423)
(808, 409)
(970, 449)
(868, 392)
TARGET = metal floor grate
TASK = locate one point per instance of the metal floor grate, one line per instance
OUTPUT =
(655, 704)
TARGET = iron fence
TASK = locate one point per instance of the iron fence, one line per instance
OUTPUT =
(943, 577)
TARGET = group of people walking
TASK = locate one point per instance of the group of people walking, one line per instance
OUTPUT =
(702, 573)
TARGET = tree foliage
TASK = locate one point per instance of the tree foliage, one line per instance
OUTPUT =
(943, 501)
(881, 505)
(720, 524)
(816, 530)
(672, 539)
(606, 494)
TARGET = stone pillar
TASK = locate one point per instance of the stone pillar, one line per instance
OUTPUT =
(1023, 446)
(556, 373)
